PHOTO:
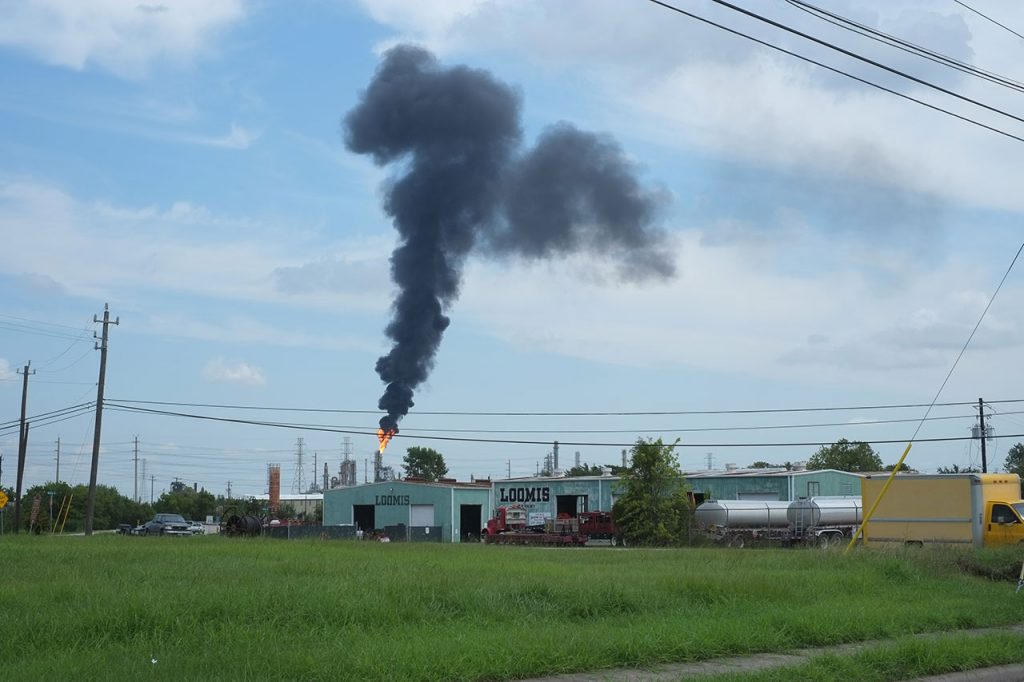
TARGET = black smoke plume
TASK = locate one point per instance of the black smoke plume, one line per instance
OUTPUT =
(463, 183)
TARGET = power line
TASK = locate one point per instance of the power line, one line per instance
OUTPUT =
(37, 332)
(43, 415)
(41, 322)
(700, 429)
(332, 429)
(968, 341)
(860, 57)
(53, 420)
(901, 44)
(120, 402)
(833, 69)
(988, 18)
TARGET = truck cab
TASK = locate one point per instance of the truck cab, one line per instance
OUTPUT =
(1003, 524)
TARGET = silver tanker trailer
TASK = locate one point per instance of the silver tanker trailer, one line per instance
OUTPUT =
(821, 520)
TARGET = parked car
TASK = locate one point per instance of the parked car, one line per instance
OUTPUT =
(196, 528)
(166, 524)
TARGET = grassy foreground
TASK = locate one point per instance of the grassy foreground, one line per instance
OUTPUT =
(215, 608)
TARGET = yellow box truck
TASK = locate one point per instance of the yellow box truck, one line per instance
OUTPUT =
(981, 509)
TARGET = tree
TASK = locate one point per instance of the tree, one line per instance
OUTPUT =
(111, 509)
(903, 467)
(425, 463)
(846, 456)
(584, 470)
(187, 502)
(652, 508)
(956, 469)
(761, 464)
(1014, 463)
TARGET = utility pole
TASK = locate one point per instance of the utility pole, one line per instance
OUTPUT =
(90, 505)
(58, 460)
(22, 446)
(136, 478)
(229, 490)
(152, 481)
(982, 434)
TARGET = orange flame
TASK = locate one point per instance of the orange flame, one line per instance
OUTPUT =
(384, 437)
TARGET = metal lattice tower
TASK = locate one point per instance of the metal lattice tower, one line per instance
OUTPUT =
(297, 485)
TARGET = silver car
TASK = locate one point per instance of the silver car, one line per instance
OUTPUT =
(166, 524)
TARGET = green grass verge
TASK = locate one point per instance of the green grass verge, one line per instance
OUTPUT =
(905, 659)
(215, 608)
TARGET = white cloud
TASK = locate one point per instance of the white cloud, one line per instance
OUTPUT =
(672, 80)
(5, 370)
(237, 138)
(111, 252)
(123, 37)
(224, 371)
(746, 312)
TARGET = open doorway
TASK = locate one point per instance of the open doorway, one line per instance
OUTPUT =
(470, 520)
(364, 517)
(570, 505)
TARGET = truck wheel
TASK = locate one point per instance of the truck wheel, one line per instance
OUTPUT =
(824, 541)
(614, 541)
(737, 541)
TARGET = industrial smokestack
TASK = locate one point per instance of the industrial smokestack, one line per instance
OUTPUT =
(463, 184)
(273, 490)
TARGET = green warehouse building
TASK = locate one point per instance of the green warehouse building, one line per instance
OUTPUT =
(443, 511)
(772, 484)
(453, 511)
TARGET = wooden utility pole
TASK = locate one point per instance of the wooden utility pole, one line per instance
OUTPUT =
(57, 480)
(22, 445)
(90, 505)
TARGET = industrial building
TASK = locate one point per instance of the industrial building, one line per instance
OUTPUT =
(305, 505)
(442, 511)
(452, 511)
(772, 484)
(547, 497)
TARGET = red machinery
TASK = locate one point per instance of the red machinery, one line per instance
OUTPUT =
(511, 526)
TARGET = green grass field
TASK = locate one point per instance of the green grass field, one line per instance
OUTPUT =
(209, 608)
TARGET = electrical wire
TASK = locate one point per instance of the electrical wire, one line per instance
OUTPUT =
(833, 69)
(666, 430)
(26, 329)
(121, 402)
(988, 18)
(56, 419)
(42, 415)
(41, 322)
(968, 341)
(860, 57)
(373, 432)
(900, 44)
(73, 362)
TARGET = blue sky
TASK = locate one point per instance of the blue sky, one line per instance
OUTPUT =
(835, 245)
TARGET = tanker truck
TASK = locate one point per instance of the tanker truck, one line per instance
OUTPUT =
(816, 520)
(978, 509)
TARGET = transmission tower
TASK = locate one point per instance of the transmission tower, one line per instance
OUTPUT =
(297, 486)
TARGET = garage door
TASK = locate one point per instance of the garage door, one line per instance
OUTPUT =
(421, 515)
